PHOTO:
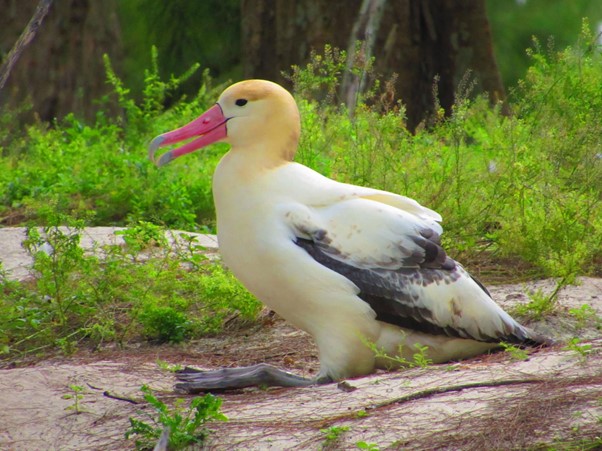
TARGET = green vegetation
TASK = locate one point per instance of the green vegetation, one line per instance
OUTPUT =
(209, 31)
(332, 435)
(584, 315)
(583, 350)
(76, 168)
(367, 446)
(165, 366)
(361, 414)
(419, 357)
(76, 395)
(515, 352)
(539, 305)
(525, 188)
(579, 444)
(515, 22)
(144, 289)
(185, 425)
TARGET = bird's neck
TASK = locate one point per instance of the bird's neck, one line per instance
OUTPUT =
(251, 161)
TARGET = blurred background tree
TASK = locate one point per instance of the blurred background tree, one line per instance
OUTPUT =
(515, 22)
(185, 32)
(61, 71)
(416, 40)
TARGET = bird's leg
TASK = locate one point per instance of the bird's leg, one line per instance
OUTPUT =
(262, 374)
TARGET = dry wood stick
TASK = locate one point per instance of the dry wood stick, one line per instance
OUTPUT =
(26, 37)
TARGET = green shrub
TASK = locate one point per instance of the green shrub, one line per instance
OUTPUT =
(184, 426)
(143, 290)
(525, 187)
(164, 324)
(75, 168)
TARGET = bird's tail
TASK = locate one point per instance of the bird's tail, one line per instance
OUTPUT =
(525, 337)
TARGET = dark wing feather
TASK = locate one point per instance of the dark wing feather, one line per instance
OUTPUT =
(389, 293)
(386, 291)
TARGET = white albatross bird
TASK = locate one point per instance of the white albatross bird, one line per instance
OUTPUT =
(351, 266)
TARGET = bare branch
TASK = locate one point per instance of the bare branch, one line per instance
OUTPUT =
(365, 30)
(26, 37)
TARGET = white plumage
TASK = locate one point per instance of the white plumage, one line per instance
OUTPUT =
(350, 265)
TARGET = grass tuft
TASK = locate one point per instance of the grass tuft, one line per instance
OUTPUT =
(523, 188)
(143, 290)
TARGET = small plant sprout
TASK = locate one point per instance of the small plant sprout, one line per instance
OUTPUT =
(584, 314)
(361, 414)
(166, 366)
(76, 395)
(583, 350)
(540, 304)
(191, 252)
(332, 435)
(514, 352)
(185, 425)
(143, 235)
(367, 446)
(420, 358)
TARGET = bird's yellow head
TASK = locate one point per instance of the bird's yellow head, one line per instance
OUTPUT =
(252, 116)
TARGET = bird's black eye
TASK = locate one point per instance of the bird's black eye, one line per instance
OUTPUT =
(241, 102)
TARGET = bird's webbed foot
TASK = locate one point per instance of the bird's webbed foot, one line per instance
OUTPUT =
(260, 375)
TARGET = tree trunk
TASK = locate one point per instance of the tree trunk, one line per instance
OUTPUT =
(279, 33)
(365, 29)
(420, 40)
(61, 71)
(24, 40)
(443, 40)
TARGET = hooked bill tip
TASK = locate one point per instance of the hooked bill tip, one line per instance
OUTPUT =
(165, 158)
(153, 146)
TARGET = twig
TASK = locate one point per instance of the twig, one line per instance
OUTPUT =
(365, 29)
(452, 388)
(162, 444)
(559, 286)
(26, 37)
(108, 394)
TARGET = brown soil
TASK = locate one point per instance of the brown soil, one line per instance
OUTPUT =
(492, 402)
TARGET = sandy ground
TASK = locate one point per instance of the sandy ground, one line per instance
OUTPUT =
(492, 402)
